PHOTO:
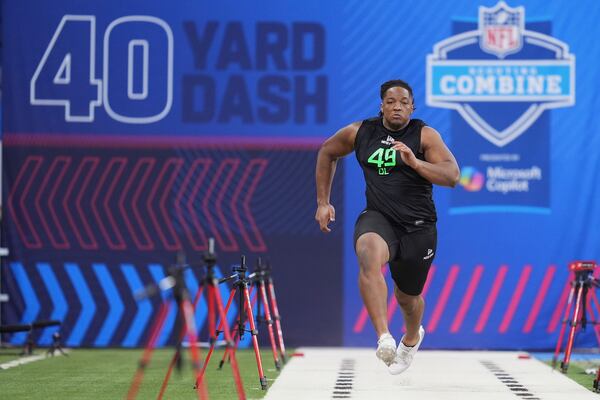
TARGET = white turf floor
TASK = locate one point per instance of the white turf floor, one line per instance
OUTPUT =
(353, 373)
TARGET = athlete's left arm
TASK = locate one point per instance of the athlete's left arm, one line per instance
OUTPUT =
(439, 167)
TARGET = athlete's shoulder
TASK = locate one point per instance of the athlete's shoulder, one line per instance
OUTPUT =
(374, 121)
(418, 123)
(366, 127)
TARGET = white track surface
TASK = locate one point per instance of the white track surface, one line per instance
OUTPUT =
(332, 373)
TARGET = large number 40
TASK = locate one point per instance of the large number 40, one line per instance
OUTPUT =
(132, 46)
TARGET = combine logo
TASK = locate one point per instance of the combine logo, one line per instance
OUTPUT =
(501, 65)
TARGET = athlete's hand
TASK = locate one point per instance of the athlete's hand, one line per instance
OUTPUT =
(325, 214)
(407, 155)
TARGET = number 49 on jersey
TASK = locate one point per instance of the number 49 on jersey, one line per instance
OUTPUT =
(384, 159)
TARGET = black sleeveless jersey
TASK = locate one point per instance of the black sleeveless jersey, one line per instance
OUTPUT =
(393, 188)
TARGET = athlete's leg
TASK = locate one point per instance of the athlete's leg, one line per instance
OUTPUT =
(412, 308)
(410, 272)
(372, 252)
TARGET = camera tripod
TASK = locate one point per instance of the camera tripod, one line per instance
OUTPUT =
(55, 346)
(240, 286)
(582, 291)
(261, 278)
(210, 285)
(264, 281)
(186, 326)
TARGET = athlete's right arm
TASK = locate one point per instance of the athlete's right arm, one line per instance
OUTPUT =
(337, 146)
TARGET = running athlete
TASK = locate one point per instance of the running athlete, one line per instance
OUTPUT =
(401, 158)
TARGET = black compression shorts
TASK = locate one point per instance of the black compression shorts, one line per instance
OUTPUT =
(411, 254)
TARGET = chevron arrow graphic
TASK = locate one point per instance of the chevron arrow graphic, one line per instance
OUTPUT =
(88, 305)
(259, 166)
(59, 303)
(115, 175)
(144, 308)
(231, 165)
(89, 243)
(175, 165)
(158, 273)
(115, 305)
(145, 164)
(62, 243)
(200, 243)
(32, 306)
(32, 163)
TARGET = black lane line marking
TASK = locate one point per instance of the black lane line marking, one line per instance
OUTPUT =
(345, 380)
(511, 383)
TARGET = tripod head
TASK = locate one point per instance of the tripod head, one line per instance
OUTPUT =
(241, 270)
(176, 271)
(210, 256)
(259, 273)
(584, 271)
(174, 280)
(262, 270)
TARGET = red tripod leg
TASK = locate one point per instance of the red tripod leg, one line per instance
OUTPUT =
(234, 336)
(269, 321)
(563, 326)
(277, 319)
(213, 333)
(565, 364)
(235, 332)
(595, 321)
(198, 295)
(234, 365)
(254, 332)
(187, 311)
(147, 355)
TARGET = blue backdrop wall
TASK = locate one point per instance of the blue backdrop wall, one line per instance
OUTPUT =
(135, 130)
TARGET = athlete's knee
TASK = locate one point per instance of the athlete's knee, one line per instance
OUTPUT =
(371, 252)
(407, 302)
(369, 261)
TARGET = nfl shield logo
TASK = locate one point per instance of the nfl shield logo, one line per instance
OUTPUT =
(501, 29)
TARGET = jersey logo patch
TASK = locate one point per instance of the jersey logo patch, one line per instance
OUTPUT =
(429, 254)
(389, 141)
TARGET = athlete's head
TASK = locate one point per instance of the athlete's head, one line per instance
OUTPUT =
(397, 103)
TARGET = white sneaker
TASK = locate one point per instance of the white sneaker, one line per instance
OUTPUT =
(405, 355)
(386, 348)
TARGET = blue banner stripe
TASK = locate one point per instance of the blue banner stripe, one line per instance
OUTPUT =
(115, 305)
(144, 308)
(32, 306)
(158, 273)
(88, 306)
(58, 301)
